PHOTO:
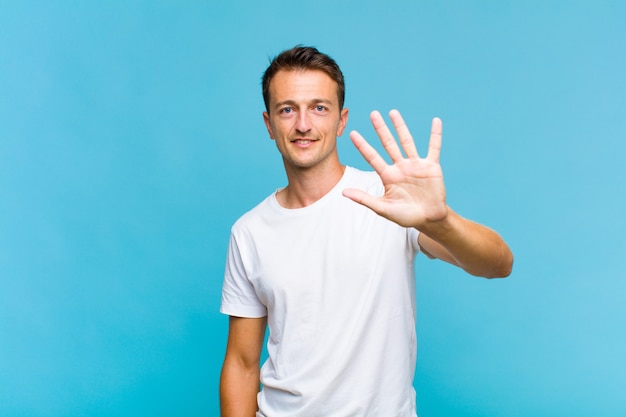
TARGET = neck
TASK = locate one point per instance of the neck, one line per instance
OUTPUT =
(306, 186)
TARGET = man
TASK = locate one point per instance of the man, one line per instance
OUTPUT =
(327, 261)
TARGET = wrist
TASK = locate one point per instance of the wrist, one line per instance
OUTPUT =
(440, 228)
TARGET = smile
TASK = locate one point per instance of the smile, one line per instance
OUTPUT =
(303, 141)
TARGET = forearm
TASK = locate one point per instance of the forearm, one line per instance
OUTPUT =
(477, 249)
(239, 387)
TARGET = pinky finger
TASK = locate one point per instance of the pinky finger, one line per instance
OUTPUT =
(434, 146)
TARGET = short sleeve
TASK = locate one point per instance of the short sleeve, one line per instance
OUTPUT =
(414, 235)
(239, 297)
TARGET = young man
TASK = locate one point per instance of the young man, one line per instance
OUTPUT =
(327, 261)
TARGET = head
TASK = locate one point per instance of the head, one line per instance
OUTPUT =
(301, 58)
(303, 92)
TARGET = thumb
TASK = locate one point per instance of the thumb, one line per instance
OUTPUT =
(361, 197)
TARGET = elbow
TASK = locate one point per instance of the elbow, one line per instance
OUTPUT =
(501, 268)
(500, 273)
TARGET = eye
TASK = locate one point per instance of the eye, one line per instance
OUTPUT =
(320, 108)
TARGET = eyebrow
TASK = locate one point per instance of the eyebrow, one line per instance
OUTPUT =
(292, 102)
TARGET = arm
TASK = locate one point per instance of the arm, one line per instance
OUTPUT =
(480, 251)
(239, 383)
(415, 197)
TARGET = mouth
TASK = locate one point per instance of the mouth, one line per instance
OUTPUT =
(303, 141)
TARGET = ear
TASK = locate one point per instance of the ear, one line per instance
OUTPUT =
(268, 124)
(343, 121)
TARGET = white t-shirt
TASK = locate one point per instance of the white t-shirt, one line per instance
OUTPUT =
(337, 285)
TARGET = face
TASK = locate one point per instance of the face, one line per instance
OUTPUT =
(304, 118)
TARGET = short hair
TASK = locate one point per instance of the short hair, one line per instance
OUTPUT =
(303, 58)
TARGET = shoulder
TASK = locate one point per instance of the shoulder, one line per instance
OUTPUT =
(254, 215)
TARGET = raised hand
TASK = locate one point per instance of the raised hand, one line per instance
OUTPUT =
(414, 189)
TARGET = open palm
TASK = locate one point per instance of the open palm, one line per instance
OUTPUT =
(414, 189)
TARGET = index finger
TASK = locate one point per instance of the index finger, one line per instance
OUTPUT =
(368, 152)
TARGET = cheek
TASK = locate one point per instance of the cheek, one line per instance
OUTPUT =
(333, 128)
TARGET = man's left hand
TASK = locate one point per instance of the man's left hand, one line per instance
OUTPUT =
(415, 194)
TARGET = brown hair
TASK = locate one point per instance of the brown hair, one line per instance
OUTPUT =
(303, 58)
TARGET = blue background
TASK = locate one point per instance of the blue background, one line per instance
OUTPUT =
(131, 139)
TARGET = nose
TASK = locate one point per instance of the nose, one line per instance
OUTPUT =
(303, 124)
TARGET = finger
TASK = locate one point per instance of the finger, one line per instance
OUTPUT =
(406, 140)
(368, 152)
(386, 137)
(434, 146)
(362, 198)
